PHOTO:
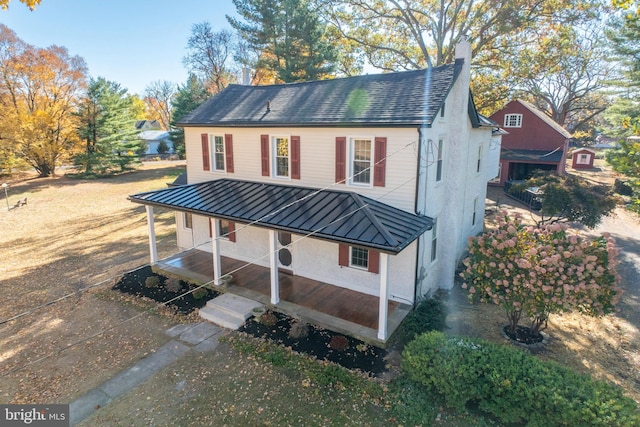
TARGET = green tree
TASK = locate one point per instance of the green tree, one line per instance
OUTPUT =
(541, 271)
(288, 37)
(188, 97)
(569, 198)
(107, 126)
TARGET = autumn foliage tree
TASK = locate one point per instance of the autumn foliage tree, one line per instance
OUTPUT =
(40, 90)
(536, 272)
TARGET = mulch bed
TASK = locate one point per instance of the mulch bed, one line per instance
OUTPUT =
(134, 283)
(319, 343)
(523, 335)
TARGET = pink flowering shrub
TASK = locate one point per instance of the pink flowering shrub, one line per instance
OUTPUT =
(539, 271)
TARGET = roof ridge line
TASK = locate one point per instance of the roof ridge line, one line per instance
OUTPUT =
(374, 219)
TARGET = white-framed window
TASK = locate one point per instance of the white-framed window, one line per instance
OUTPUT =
(217, 152)
(479, 162)
(583, 159)
(281, 156)
(360, 158)
(434, 241)
(358, 258)
(187, 220)
(439, 160)
(513, 120)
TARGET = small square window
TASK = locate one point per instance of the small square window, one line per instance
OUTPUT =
(359, 258)
(513, 120)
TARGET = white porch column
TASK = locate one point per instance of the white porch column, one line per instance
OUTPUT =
(384, 297)
(215, 246)
(153, 249)
(273, 262)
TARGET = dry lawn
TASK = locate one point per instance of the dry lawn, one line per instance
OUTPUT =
(71, 235)
(74, 234)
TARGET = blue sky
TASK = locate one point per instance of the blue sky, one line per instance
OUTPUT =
(131, 42)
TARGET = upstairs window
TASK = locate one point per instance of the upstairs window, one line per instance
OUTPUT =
(513, 120)
(361, 161)
(281, 157)
(217, 149)
(479, 162)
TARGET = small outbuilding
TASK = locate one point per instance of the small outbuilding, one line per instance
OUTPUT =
(583, 158)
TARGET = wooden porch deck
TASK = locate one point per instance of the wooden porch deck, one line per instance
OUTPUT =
(332, 307)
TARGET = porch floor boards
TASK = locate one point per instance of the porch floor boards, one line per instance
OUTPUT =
(343, 310)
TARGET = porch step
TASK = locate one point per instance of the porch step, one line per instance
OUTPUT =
(228, 310)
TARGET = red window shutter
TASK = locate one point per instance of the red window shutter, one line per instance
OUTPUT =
(341, 159)
(374, 261)
(228, 152)
(343, 255)
(264, 154)
(206, 162)
(295, 157)
(380, 165)
(232, 231)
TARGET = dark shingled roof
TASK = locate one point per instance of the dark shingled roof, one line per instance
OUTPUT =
(530, 156)
(405, 98)
(341, 216)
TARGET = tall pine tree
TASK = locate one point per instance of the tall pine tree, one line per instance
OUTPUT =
(288, 36)
(188, 97)
(108, 129)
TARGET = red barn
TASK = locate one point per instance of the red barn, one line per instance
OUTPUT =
(534, 142)
(583, 158)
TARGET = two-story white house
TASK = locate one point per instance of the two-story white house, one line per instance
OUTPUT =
(370, 184)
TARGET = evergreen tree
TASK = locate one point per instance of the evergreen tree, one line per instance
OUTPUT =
(289, 37)
(187, 98)
(108, 128)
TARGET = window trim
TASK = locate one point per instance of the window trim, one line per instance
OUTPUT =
(274, 156)
(515, 123)
(583, 159)
(365, 252)
(351, 161)
(212, 151)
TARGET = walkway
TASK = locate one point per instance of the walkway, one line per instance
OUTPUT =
(199, 337)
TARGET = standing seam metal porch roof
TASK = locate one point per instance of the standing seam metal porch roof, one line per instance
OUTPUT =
(339, 216)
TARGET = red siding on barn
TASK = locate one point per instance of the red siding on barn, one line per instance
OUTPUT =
(534, 134)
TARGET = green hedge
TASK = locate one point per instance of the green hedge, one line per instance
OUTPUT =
(513, 385)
